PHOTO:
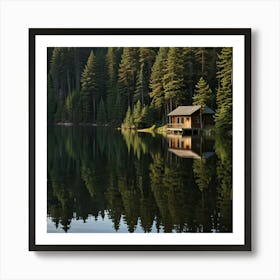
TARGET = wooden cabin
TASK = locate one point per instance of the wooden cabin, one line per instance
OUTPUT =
(186, 119)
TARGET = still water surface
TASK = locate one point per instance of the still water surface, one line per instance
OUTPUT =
(105, 180)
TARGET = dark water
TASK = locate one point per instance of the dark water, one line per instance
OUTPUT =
(103, 180)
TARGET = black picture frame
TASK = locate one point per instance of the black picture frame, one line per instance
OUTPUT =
(246, 32)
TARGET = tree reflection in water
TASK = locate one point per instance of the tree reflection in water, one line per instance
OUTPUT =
(148, 182)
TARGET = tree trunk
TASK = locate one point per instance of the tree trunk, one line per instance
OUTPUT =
(202, 62)
(68, 83)
(170, 103)
(93, 108)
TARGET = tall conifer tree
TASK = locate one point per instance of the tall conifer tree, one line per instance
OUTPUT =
(146, 60)
(202, 93)
(173, 82)
(89, 89)
(101, 112)
(127, 73)
(223, 116)
(156, 81)
(202, 96)
(113, 58)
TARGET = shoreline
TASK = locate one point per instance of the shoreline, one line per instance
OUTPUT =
(162, 130)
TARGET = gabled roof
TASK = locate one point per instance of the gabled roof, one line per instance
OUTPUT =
(208, 110)
(189, 110)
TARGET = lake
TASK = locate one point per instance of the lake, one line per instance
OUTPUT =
(104, 180)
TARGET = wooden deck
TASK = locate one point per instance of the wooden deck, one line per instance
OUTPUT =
(175, 128)
(179, 129)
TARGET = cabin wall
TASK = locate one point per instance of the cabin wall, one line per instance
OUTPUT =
(208, 120)
(196, 119)
(187, 122)
(182, 121)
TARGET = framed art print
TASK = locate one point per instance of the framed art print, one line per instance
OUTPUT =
(140, 139)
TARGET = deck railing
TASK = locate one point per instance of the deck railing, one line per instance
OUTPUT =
(174, 125)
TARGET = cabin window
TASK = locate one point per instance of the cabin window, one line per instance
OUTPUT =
(182, 120)
(178, 120)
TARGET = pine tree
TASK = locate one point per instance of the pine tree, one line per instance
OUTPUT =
(128, 120)
(118, 112)
(223, 116)
(156, 81)
(202, 96)
(211, 71)
(146, 60)
(127, 73)
(72, 107)
(101, 112)
(137, 114)
(51, 99)
(202, 93)
(101, 75)
(173, 82)
(201, 56)
(89, 90)
(56, 70)
(56, 89)
(113, 58)
(141, 92)
(198, 62)
(77, 69)
(189, 74)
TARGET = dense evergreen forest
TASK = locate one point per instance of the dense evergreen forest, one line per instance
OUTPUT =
(137, 87)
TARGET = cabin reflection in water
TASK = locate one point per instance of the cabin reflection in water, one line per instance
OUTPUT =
(190, 146)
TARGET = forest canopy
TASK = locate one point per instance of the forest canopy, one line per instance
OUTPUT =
(137, 87)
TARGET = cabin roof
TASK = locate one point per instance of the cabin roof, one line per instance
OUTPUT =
(189, 110)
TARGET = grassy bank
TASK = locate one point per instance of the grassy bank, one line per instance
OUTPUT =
(154, 130)
(162, 130)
